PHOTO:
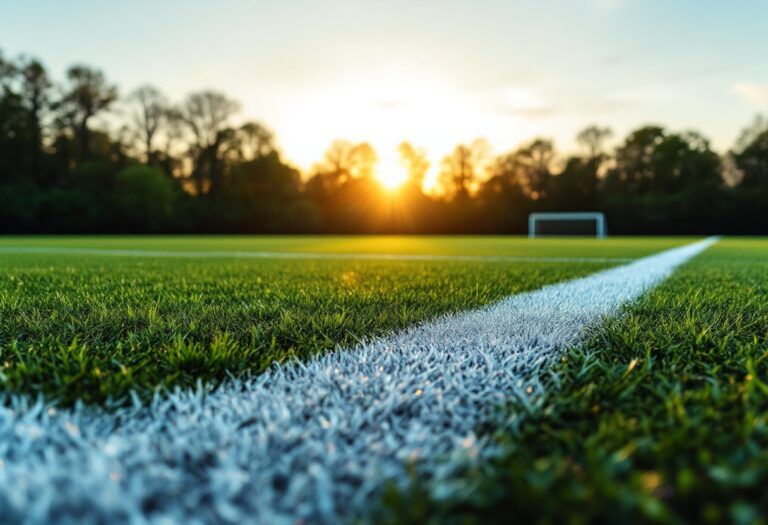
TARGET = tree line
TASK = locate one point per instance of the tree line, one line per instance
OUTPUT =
(77, 157)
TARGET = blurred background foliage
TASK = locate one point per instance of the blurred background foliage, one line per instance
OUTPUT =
(77, 157)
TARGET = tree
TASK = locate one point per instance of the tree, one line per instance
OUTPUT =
(172, 149)
(460, 171)
(634, 159)
(751, 155)
(149, 112)
(502, 197)
(12, 123)
(207, 115)
(748, 135)
(575, 187)
(87, 95)
(144, 199)
(7, 73)
(337, 159)
(592, 139)
(34, 93)
(329, 174)
(653, 160)
(342, 162)
(534, 167)
(343, 185)
(415, 161)
(585, 175)
(263, 194)
(255, 141)
(664, 182)
(363, 160)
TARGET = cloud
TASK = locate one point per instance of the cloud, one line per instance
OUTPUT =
(522, 101)
(755, 94)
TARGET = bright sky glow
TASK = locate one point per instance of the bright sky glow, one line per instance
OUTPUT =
(432, 72)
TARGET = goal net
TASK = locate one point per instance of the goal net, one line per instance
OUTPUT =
(567, 223)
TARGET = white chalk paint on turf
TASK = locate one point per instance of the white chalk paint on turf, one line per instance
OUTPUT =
(314, 440)
(54, 250)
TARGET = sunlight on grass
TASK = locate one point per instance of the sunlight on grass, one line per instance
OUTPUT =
(91, 328)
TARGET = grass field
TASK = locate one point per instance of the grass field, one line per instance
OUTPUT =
(658, 415)
(79, 326)
(620, 247)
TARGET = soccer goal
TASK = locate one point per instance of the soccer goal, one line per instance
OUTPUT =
(567, 223)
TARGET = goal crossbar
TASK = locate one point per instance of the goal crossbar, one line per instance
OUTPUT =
(598, 217)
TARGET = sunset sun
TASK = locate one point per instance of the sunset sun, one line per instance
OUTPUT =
(390, 173)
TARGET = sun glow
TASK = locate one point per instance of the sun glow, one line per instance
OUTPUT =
(385, 108)
(390, 172)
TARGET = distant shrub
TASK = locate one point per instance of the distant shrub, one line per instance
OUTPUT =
(144, 199)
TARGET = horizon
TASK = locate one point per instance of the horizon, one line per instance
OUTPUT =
(390, 78)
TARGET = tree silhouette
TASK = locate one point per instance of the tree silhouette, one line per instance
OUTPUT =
(255, 141)
(592, 139)
(60, 171)
(534, 167)
(460, 171)
(86, 95)
(7, 73)
(207, 115)
(634, 159)
(345, 160)
(415, 161)
(149, 113)
(35, 96)
(751, 155)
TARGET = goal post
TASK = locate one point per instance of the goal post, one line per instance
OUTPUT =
(558, 223)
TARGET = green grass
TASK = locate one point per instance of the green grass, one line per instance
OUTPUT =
(93, 328)
(662, 416)
(429, 245)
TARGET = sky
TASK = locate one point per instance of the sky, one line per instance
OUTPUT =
(436, 73)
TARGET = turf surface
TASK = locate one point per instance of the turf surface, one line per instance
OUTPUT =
(93, 328)
(620, 247)
(309, 443)
(660, 417)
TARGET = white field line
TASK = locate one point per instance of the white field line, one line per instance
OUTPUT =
(309, 441)
(53, 250)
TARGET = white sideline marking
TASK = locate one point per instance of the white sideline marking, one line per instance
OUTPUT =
(310, 441)
(51, 250)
